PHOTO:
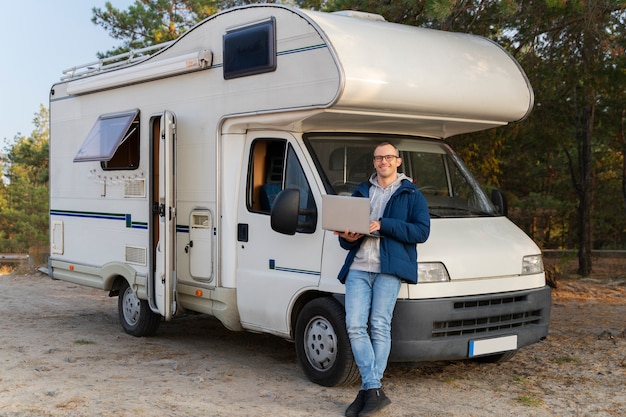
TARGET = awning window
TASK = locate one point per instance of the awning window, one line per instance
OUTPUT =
(107, 134)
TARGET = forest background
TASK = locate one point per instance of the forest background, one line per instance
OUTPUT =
(562, 169)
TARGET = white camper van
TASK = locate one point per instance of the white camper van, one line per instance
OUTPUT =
(191, 180)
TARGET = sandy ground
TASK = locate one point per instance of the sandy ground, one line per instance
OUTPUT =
(63, 353)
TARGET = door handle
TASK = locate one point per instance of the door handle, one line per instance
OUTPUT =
(242, 232)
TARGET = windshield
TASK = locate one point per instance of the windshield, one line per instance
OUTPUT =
(344, 161)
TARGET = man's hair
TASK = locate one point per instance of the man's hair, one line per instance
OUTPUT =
(385, 144)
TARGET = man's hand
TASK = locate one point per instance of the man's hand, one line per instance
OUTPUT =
(349, 236)
(374, 226)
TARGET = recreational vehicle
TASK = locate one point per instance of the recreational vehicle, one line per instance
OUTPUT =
(189, 179)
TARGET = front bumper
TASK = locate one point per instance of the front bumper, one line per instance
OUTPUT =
(442, 329)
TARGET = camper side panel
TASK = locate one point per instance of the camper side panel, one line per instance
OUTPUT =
(93, 218)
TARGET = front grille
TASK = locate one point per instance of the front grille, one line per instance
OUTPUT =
(485, 322)
(490, 302)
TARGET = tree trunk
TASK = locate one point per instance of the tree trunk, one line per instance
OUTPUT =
(622, 137)
(586, 190)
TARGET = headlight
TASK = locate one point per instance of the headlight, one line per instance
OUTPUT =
(532, 264)
(432, 272)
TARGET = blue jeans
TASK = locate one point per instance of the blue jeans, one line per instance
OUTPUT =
(370, 299)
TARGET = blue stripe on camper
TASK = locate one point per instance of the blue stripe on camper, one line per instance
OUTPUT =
(111, 216)
(272, 265)
(126, 218)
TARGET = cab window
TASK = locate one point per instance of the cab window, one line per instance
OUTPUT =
(274, 167)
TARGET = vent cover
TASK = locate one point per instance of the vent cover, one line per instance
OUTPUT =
(135, 188)
(200, 220)
(136, 255)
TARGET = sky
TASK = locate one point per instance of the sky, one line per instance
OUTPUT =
(39, 39)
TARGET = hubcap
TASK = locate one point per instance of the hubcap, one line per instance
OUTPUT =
(131, 307)
(320, 343)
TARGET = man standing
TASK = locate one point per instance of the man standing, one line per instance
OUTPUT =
(376, 266)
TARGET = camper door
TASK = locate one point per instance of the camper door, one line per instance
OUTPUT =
(273, 267)
(165, 274)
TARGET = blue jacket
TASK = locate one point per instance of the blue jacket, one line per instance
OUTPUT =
(405, 223)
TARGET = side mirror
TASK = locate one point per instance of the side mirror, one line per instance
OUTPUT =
(285, 211)
(499, 200)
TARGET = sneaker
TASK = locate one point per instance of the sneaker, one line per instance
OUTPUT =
(357, 405)
(375, 400)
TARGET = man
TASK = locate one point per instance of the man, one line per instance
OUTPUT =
(376, 266)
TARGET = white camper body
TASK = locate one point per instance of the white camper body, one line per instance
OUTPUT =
(191, 180)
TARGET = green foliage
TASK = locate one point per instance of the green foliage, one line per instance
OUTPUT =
(149, 22)
(84, 342)
(24, 198)
(528, 401)
(439, 10)
(572, 50)
(566, 359)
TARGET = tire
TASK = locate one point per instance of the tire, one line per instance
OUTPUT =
(497, 358)
(322, 344)
(135, 315)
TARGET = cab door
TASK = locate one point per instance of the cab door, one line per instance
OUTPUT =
(165, 256)
(273, 268)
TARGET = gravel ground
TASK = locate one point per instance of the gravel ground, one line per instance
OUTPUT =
(64, 353)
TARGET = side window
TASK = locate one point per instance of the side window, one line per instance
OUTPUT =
(114, 141)
(265, 175)
(295, 178)
(127, 154)
(274, 167)
(250, 50)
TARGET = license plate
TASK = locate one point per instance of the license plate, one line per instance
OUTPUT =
(494, 345)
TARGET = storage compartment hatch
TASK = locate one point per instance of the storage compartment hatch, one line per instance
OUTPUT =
(200, 245)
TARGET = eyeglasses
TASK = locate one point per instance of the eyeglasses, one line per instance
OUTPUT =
(388, 158)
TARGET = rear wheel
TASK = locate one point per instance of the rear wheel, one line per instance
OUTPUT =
(135, 315)
(322, 344)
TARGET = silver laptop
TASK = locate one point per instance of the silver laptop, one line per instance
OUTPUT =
(341, 212)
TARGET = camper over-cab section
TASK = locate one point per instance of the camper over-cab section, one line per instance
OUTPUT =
(286, 59)
(188, 177)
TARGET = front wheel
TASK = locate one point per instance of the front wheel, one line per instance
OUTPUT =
(322, 344)
(135, 315)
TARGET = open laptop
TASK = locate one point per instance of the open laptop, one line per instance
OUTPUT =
(340, 212)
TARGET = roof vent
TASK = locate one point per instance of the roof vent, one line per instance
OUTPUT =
(361, 15)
